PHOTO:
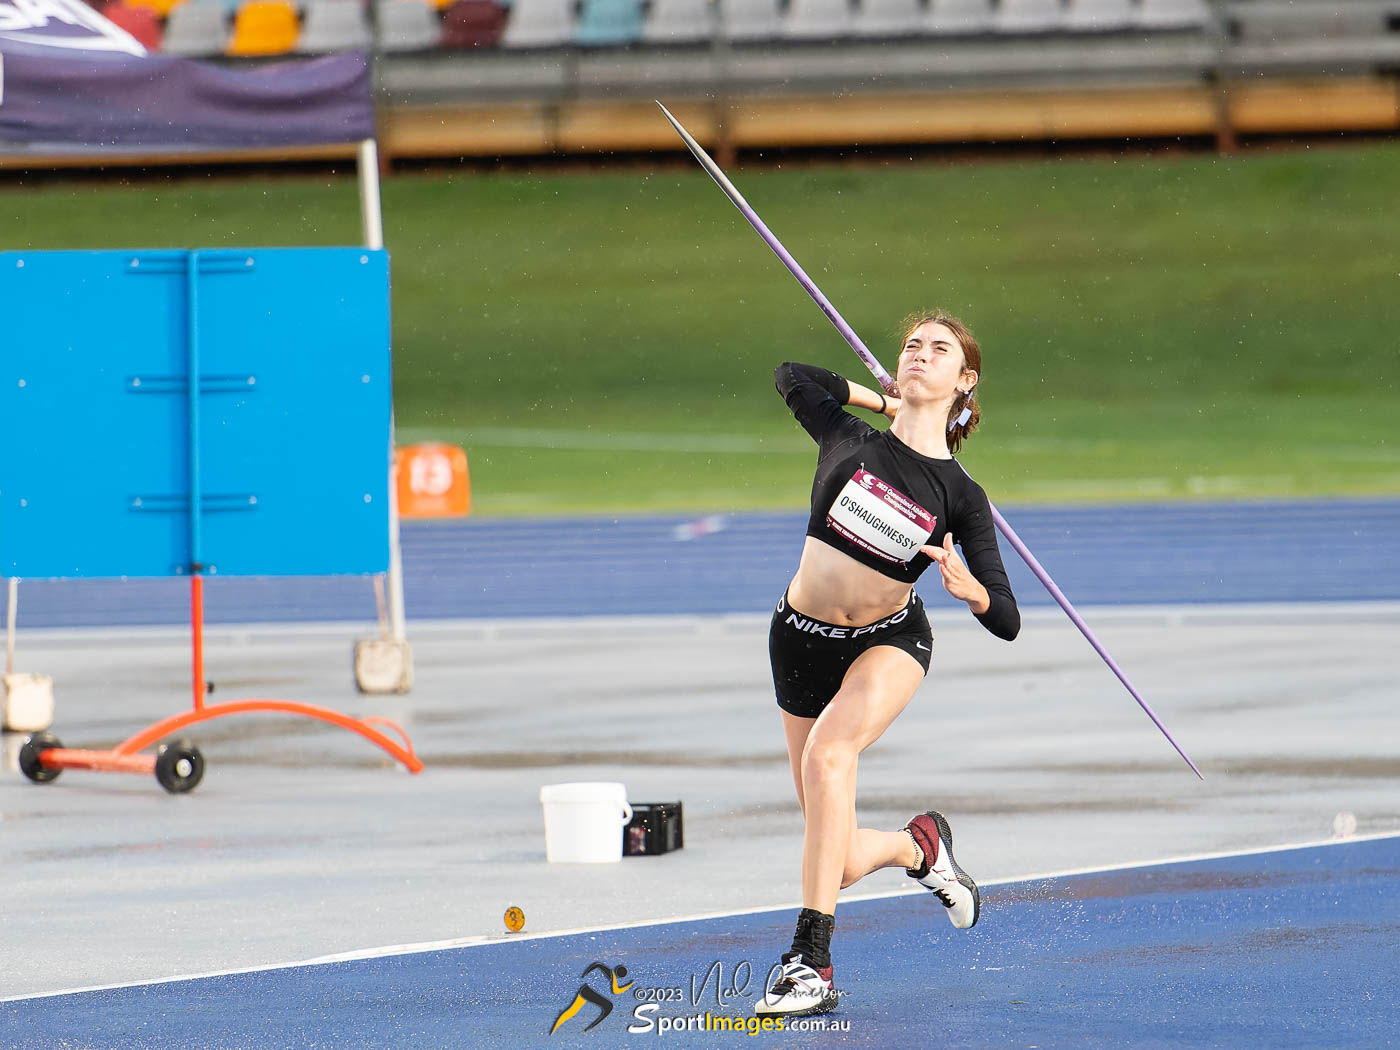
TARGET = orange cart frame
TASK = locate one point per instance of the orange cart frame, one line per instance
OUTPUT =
(125, 757)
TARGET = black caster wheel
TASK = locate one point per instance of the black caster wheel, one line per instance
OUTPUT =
(29, 758)
(179, 767)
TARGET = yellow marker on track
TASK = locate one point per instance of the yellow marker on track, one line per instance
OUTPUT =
(515, 920)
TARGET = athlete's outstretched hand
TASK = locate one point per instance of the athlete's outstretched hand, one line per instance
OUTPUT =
(957, 580)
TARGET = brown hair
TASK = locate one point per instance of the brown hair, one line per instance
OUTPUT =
(972, 359)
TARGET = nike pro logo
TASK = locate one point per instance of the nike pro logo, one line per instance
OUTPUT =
(921, 645)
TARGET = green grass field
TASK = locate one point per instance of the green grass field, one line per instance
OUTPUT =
(1153, 327)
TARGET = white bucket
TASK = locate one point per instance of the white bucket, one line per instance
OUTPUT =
(583, 822)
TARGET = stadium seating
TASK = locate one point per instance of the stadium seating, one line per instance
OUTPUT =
(472, 23)
(818, 19)
(744, 20)
(264, 27)
(890, 18)
(196, 29)
(141, 22)
(1308, 19)
(604, 22)
(269, 27)
(677, 22)
(334, 25)
(1171, 14)
(539, 23)
(230, 7)
(1099, 15)
(959, 16)
(408, 25)
(1028, 16)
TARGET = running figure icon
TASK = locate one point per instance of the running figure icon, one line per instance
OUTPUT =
(587, 994)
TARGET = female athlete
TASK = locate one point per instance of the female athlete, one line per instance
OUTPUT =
(849, 641)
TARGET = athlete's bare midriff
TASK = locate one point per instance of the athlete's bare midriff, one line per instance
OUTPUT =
(835, 588)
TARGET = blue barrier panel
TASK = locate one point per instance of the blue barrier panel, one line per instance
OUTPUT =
(277, 464)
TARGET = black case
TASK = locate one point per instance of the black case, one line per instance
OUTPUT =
(655, 828)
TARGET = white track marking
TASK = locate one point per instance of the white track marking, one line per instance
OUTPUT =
(474, 942)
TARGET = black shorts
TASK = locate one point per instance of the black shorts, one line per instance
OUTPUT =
(810, 658)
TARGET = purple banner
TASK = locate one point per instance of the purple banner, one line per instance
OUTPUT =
(87, 95)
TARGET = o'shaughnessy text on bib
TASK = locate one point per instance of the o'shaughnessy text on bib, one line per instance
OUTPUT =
(880, 519)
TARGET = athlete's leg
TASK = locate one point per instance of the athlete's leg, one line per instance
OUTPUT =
(878, 686)
(795, 729)
(871, 850)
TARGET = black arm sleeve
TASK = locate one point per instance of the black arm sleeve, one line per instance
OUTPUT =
(978, 540)
(815, 395)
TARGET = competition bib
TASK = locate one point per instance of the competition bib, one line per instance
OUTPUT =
(880, 519)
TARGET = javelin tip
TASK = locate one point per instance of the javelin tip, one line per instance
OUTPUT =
(667, 113)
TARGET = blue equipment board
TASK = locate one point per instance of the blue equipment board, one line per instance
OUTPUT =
(222, 411)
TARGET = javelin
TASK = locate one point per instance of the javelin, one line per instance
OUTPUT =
(883, 378)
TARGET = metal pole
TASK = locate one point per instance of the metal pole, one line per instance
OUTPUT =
(372, 221)
(719, 45)
(197, 640)
(10, 615)
(196, 491)
(192, 403)
(371, 216)
(1220, 77)
(396, 615)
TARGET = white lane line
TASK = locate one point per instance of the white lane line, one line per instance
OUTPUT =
(474, 942)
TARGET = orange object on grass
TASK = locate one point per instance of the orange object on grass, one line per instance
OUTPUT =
(433, 481)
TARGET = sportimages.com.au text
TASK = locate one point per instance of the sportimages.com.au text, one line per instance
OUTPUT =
(644, 1022)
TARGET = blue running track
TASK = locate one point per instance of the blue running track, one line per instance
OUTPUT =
(1294, 948)
(1172, 553)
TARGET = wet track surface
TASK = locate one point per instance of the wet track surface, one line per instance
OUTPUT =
(304, 841)
(1291, 948)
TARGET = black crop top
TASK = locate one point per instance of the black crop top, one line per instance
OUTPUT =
(876, 499)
